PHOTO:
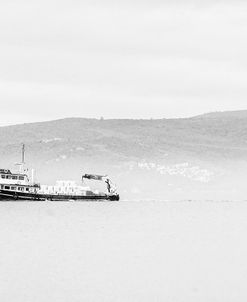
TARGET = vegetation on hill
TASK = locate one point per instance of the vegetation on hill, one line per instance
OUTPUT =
(143, 155)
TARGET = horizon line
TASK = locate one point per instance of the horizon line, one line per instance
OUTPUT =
(120, 118)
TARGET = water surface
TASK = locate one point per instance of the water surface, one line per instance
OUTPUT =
(123, 251)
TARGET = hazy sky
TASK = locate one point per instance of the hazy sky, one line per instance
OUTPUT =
(132, 58)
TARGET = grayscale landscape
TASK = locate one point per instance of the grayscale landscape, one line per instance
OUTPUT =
(151, 93)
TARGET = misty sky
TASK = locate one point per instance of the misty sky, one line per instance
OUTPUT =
(133, 59)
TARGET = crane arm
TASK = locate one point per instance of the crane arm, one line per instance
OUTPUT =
(94, 177)
(110, 187)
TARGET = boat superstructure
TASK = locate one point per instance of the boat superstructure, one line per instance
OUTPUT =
(16, 184)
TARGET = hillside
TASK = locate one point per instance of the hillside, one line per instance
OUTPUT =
(147, 158)
(239, 114)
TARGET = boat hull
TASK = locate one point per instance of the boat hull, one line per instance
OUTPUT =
(8, 195)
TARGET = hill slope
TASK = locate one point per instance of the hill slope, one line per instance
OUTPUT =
(147, 158)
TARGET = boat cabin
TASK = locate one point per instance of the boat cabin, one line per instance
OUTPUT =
(15, 182)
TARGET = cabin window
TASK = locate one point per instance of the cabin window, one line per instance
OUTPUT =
(27, 189)
(13, 188)
(8, 176)
(14, 177)
(20, 189)
(3, 176)
(21, 177)
(1, 186)
(7, 187)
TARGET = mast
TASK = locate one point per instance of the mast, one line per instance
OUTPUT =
(23, 154)
(22, 163)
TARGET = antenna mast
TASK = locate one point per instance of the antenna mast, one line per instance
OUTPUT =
(23, 154)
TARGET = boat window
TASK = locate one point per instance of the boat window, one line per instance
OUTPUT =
(1, 186)
(27, 189)
(8, 176)
(14, 177)
(3, 176)
(21, 177)
(13, 188)
(7, 187)
(20, 188)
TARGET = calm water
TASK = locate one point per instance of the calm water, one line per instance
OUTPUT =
(123, 251)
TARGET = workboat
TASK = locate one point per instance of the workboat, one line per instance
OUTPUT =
(20, 186)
